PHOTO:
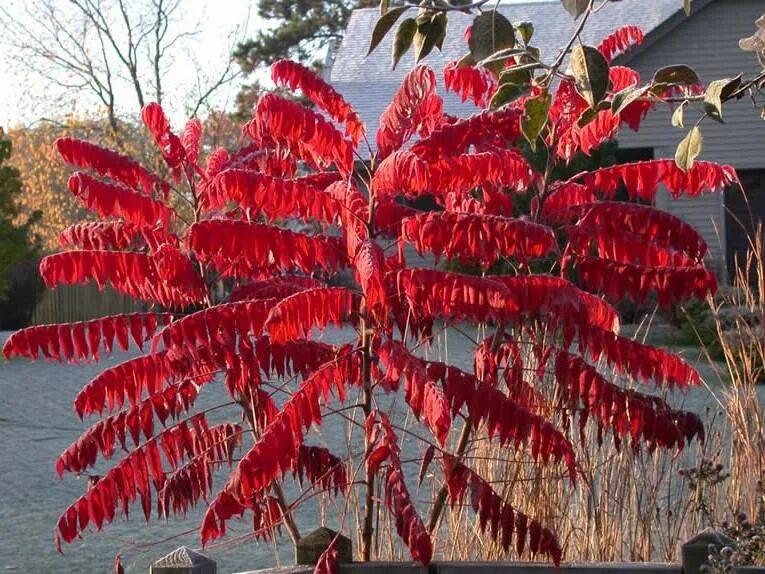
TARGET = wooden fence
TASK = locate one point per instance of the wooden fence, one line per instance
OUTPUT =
(68, 303)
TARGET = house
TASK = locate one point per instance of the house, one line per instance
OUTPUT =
(707, 40)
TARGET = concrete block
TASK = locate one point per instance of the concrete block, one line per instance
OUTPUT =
(184, 561)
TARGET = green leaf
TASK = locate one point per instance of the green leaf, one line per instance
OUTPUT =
(687, 7)
(491, 32)
(383, 26)
(520, 75)
(575, 7)
(717, 92)
(536, 112)
(590, 71)
(507, 93)
(689, 149)
(677, 115)
(628, 95)
(383, 7)
(526, 30)
(431, 31)
(403, 39)
(677, 75)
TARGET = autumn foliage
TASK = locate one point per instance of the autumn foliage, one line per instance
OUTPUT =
(238, 302)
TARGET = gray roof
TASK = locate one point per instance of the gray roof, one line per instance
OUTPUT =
(368, 83)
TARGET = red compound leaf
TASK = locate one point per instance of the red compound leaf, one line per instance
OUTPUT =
(110, 164)
(469, 82)
(304, 132)
(620, 41)
(628, 413)
(499, 128)
(276, 198)
(114, 236)
(102, 437)
(294, 317)
(409, 525)
(659, 227)
(83, 340)
(415, 108)
(421, 395)
(242, 249)
(274, 288)
(292, 357)
(169, 144)
(640, 361)
(278, 447)
(321, 469)
(296, 76)
(642, 179)
(114, 200)
(563, 196)
(506, 421)
(134, 274)
(219, 326)
(389, 214)
(503, 520)
(670, 284)
(485, 238)
(133, 477)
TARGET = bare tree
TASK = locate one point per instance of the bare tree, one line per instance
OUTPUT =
(104, 47)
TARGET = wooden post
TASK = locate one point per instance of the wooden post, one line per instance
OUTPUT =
(694, 553)
(184, 561)
(310, 547)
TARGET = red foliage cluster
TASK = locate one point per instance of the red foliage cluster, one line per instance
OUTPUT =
(469, 82)
(620, 41)
(249, 296)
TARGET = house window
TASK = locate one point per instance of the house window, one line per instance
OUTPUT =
(744, 212)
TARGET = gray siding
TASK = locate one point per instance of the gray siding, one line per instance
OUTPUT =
(709, 43)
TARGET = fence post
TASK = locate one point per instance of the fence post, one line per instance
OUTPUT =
(695, 552)
(184, 561)
(310, 547)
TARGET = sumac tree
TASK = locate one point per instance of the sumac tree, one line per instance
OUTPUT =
(238, 301)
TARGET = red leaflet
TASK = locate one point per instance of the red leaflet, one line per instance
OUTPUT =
(276, 198)
(275, 288)
(469, 82)
(500, 127)
(110, 164)
(242, 249)
(628, 413)
(297, 315)
(498, 514)
(278, 448)
(191, 139)
(671, 284)
(304, 132)
(83, 340)
(113, 200)
(389, 214)
(620, 41)
(134, 274)
(321, 469)
(640, 361)
(642, 179)
(295, 76)
(420, 394)
(169, 144)
(485, 238)
(292, 357)
(369, 262)
(415, 108)
(409, 526)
